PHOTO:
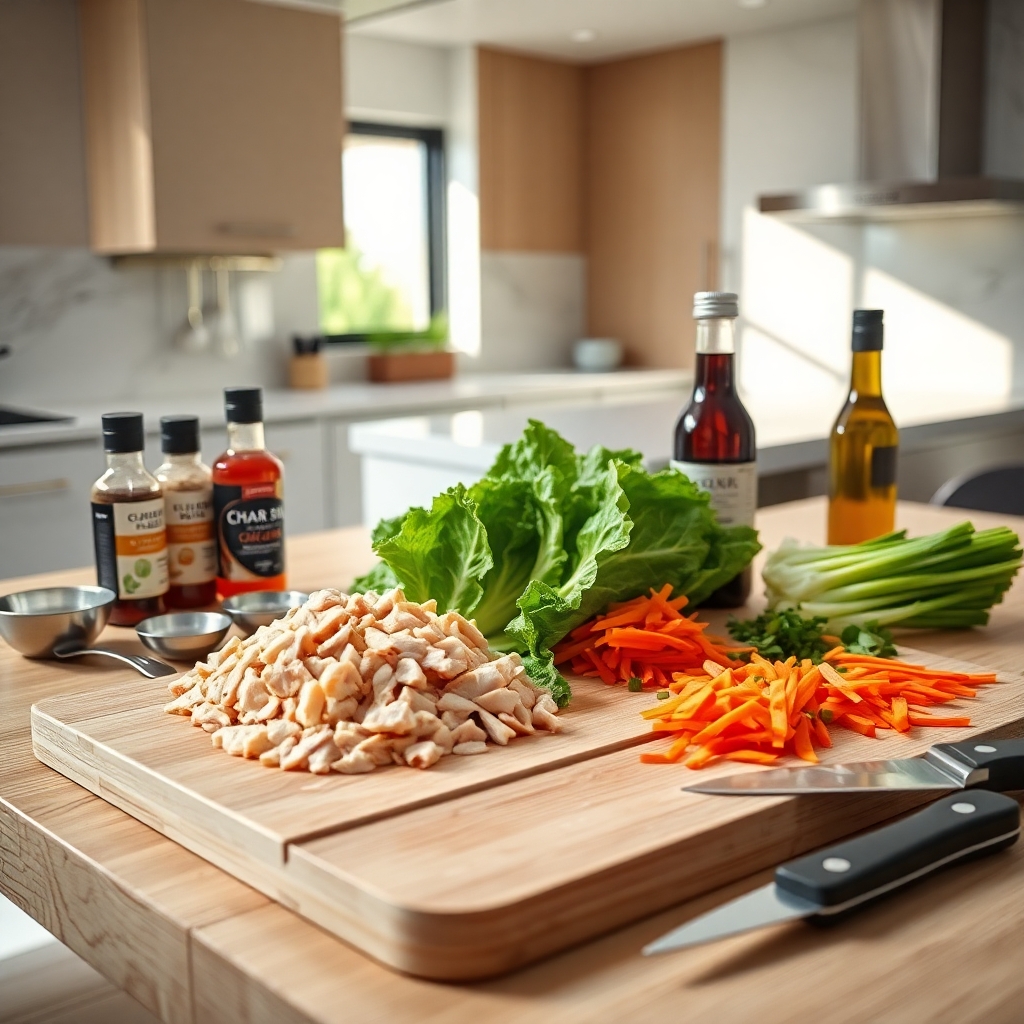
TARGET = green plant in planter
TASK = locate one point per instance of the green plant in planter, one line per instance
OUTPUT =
(433, 337)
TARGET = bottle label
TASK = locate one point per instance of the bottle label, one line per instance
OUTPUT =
(250, 531)
(191, 545)
(732, 486)
(883, 466)
(131, 548)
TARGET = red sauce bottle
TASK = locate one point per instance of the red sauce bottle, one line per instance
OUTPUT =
(714, 442)
(248, 503)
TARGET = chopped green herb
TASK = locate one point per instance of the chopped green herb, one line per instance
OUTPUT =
(662, 695)
(786, 633)
(871, 638)
(635, 685)
(826, 715)
(782, 634)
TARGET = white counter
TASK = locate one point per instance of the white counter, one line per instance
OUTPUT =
(362, 400)
(408, 460)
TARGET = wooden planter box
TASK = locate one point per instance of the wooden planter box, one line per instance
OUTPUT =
(390, 367)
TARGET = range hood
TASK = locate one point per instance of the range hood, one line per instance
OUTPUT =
(922, 107)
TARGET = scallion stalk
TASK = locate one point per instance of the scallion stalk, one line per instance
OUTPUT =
(946, 579)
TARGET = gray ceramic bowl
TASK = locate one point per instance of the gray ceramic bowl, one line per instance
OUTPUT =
(184, 636)
(261, 607)
(35, 621)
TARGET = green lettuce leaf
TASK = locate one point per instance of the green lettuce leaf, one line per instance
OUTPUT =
(380, 578)
(441, 554)
(507, 510)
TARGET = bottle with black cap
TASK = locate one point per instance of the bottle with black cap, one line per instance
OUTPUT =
(188, 508)
(248, 501)
(128, 524)
(863, 445)
(715, 444)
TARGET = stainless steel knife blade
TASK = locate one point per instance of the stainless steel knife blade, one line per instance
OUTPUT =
(914, 773)
(758, 909)
(993, 764)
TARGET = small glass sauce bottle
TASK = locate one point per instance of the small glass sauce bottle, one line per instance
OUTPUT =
(863, 445)
(128, 524)
(248, 492)
(715, 444)
(188, 504)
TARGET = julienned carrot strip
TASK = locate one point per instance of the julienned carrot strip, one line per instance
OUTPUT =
(939, 723)
(802, 746)
(900, 715)
(777, 710)
(751, 756)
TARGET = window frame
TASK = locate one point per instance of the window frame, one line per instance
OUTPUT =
(437, 243)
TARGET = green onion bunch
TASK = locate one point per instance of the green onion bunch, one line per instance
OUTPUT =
(945, 580)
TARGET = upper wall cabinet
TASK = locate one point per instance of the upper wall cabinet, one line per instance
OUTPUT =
(211, 126)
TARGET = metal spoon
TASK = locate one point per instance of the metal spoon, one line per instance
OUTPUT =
(149, 667)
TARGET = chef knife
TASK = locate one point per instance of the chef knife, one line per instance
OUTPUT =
(986, 764)
(852, 872)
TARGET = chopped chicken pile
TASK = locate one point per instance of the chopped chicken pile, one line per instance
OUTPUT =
(350, 683)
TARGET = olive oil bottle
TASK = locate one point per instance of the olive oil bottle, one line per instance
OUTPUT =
(863, 445)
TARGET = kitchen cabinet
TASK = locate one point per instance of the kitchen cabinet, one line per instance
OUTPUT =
(211, 126)
(44, 506)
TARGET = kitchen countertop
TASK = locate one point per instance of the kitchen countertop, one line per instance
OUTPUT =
(790, 436)
(193, 944)
(358, 400)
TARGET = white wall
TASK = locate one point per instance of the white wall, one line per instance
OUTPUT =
(953, 290)
(397, 83)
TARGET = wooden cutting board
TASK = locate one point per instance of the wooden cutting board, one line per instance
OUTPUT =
(480, 864)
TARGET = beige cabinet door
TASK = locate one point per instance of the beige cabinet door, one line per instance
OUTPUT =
(212, 126)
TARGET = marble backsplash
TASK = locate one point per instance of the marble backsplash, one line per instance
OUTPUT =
(80, 328)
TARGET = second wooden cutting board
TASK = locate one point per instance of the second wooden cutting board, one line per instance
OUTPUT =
(456, 881)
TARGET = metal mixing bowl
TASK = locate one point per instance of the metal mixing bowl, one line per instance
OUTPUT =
(261, 607)
(35, 621)
(184, 636)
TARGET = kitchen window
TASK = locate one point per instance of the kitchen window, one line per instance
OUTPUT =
(391, 274)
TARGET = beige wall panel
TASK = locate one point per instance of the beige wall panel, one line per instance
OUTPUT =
(653, 158)
(246, 106)
(42, 167)
(531, 114)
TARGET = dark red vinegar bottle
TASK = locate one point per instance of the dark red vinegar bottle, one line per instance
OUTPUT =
(714, 443)
(248, 501)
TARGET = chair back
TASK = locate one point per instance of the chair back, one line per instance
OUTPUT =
(1000, 489)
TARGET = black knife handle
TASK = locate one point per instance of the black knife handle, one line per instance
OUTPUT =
(974, 822)
(1004, 760)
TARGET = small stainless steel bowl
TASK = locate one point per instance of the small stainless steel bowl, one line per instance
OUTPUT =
(184, 636)
(261, 607)
(35, 621)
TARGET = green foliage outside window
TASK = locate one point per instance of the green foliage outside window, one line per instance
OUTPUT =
(355, 298)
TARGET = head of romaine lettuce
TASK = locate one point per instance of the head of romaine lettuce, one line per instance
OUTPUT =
(548, 538)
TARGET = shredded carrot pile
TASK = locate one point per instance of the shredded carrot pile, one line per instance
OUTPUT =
(648, 639)
(759, 711)
(715, 707)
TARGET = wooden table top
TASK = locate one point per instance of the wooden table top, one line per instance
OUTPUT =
(193, 944)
